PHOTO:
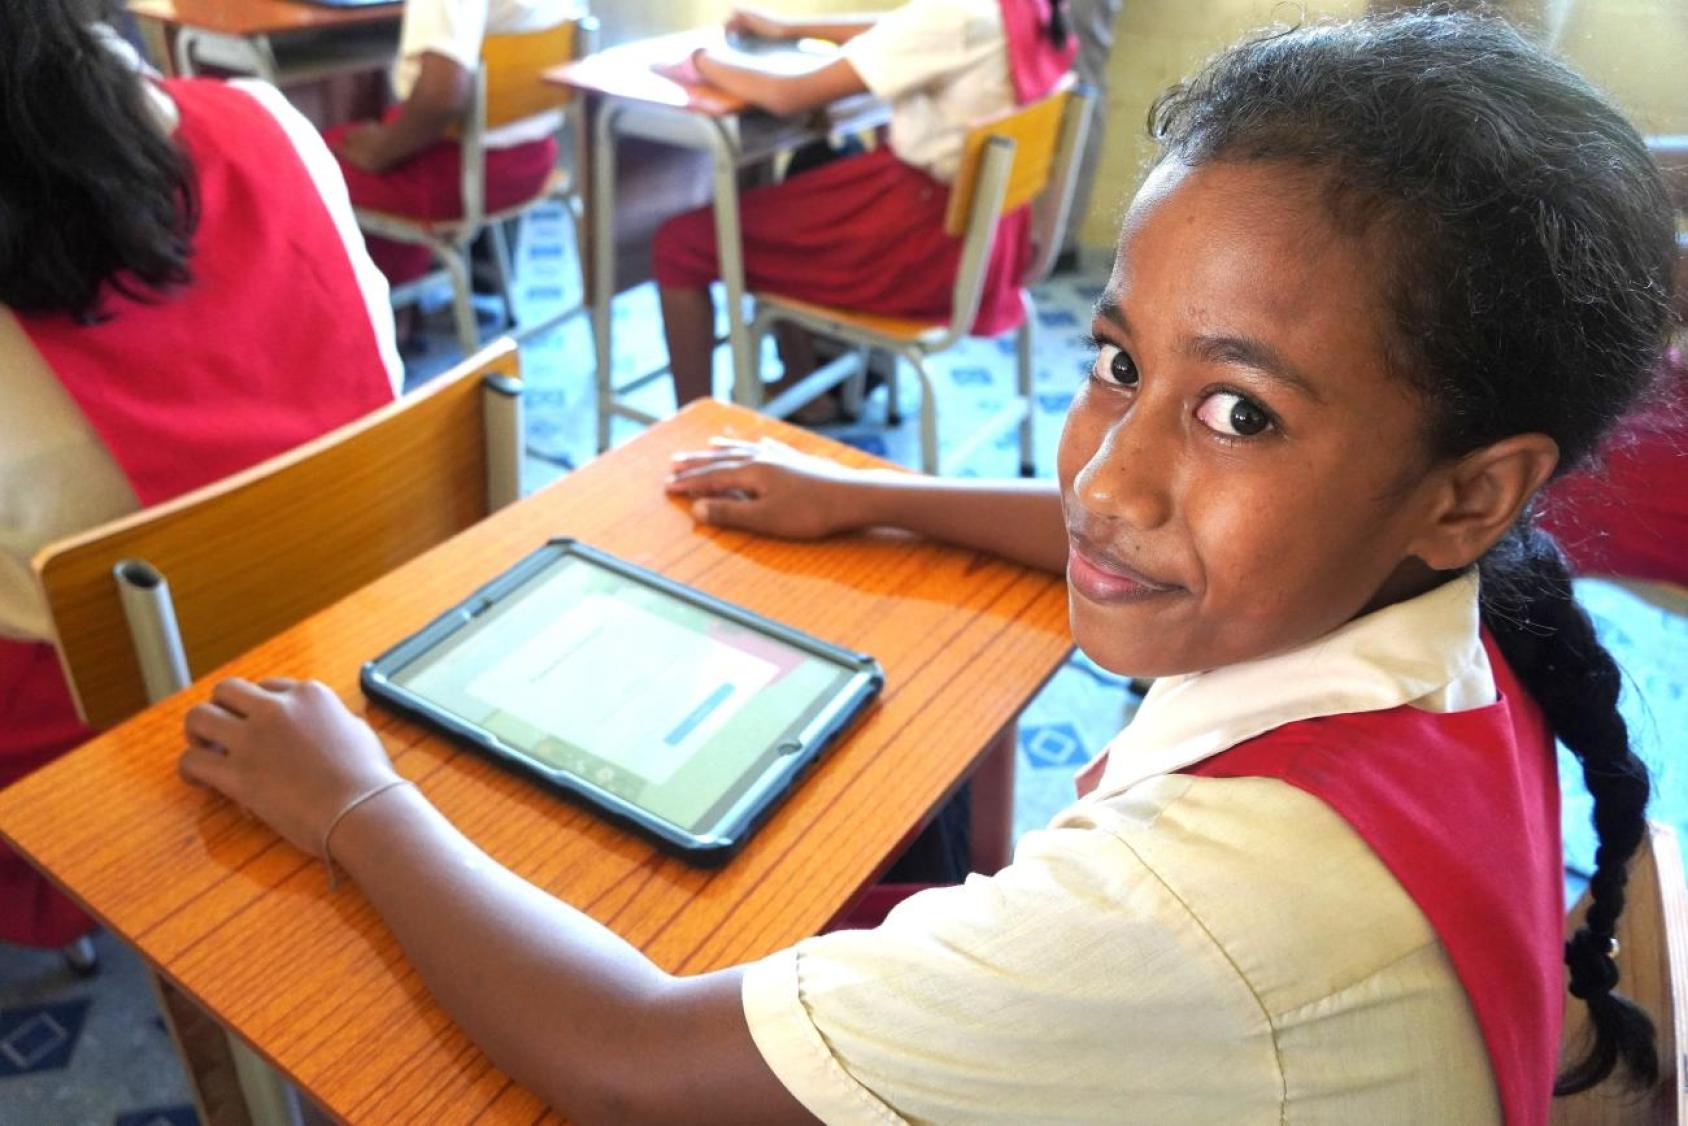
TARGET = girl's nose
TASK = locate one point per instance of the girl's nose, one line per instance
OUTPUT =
(1129, 476)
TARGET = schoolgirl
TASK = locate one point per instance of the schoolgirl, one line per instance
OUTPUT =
(1387, 280)
(866, 232)
(408, 163)
(183, 293)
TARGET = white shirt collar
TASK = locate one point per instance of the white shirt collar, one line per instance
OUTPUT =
(1426, 652)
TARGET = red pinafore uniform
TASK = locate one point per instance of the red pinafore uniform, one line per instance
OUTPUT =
(269, 345)
(1463, 809)
(866, 233)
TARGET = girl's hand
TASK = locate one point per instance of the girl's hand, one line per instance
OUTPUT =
(770, 488)
(286, 750)
(755, 21)
(363, 146)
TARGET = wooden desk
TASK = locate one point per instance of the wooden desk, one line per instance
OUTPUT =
(278, 40)
(635, 101)
(246, 924)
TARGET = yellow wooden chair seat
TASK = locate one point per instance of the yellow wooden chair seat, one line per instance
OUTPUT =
(903, 330)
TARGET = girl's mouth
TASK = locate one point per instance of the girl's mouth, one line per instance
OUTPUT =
(1099, 578)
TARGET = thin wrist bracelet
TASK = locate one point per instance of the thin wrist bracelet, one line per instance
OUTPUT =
(328, 834)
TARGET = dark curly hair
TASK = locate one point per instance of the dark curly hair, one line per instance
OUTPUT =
(92, 193)
(1529, 242)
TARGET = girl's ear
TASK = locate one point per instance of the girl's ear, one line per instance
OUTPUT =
(1480, 496)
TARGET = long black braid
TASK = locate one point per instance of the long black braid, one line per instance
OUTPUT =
(1530, 238)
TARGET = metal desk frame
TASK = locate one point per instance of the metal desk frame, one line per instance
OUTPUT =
(732, 140)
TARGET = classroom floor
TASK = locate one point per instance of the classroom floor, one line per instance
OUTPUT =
(77, 1052)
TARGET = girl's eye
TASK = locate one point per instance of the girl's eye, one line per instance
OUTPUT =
(1233, 415)
(1114, 366)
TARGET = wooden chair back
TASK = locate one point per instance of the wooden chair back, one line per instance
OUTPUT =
(250, 555)
(1036, 131)
(1653, 956)
(513, 63)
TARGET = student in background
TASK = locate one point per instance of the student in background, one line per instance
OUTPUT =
(407, 164)
(866, 232)
(183, 293)
(1353, 323)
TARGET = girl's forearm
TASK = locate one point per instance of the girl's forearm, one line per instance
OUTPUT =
(834, 29)
(547, 991)
(1018, 520)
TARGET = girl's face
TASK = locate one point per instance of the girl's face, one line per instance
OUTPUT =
(1240, 473)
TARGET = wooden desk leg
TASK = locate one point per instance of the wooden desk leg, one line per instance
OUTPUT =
(990, 832)
(230, 1084)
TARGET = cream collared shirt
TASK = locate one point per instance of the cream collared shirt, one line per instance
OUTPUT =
(1171, 948)
(943, 66)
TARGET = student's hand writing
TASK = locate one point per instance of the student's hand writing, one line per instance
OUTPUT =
(768, 487)
(755, 21)
(362, 147)
(286, 750)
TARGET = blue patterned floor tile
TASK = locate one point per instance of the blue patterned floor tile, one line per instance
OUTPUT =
(38, 1038)
(159, 1116)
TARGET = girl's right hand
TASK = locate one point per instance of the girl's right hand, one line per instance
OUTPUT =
(754, 21)
(770, 488)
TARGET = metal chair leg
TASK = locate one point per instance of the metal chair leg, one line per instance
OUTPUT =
(893, 402)
(1025, 338)
(501, 262)
(928, 416)
(456, 264)
(81, 957)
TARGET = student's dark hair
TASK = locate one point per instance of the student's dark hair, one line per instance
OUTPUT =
(92, 192)
(1524, 241)
(1059, 26)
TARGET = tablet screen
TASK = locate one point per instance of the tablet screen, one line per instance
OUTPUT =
(626, 686)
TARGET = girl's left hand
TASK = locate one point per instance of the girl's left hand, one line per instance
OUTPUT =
(288, 751)
(362, 146)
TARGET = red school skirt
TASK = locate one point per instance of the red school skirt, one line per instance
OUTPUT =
(430, 186)
(38, 723)
(865, 233)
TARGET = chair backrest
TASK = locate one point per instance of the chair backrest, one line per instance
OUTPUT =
(1653, 955)
(508, 88)
(250, 555)
(1028, 156)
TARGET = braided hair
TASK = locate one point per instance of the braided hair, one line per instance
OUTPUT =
(1531, 242)
(93, 192)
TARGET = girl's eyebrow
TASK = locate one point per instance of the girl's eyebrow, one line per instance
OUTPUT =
(1247, 351)
(1252, 352)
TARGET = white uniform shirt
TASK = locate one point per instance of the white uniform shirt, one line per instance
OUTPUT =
(457, 28)
(1171, 948)
(56, 476)
(943, 66)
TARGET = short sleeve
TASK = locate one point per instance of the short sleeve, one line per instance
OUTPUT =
(453, 28)
(914, 46)
(1064, 980)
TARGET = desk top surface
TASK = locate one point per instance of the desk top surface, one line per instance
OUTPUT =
(313, 979)
(260, 17)
(625, 71)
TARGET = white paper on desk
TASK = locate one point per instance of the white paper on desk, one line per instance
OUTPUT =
(624, 684)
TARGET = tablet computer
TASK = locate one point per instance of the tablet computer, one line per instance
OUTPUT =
(660, 705)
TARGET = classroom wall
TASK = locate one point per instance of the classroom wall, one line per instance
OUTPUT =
(1636, 50)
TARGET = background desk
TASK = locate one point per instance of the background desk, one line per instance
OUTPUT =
(280, 41)
(632, 100)
(246, 924)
